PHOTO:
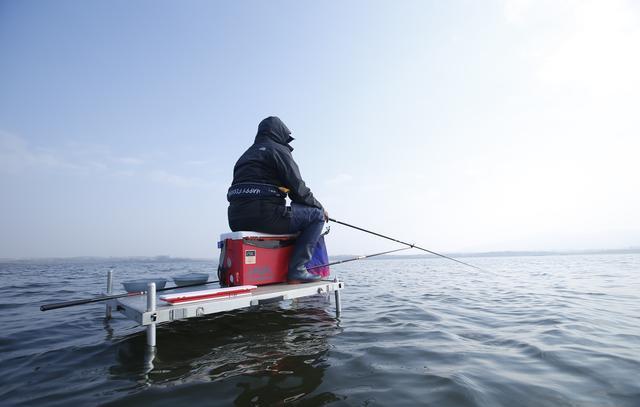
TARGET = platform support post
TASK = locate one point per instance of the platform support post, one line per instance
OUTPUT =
(151, 307)
(107, 314)
(338, 303)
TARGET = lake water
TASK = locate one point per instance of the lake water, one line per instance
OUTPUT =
(530, 331)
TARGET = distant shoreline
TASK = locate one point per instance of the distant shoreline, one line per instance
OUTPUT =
(633, 250)
(169, 259)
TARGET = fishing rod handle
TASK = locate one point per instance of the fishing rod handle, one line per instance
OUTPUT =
(65, 304)
(48, 307)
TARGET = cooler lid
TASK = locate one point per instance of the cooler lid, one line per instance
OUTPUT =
(244, 234)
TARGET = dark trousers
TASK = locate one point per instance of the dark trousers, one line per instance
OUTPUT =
(309, 221)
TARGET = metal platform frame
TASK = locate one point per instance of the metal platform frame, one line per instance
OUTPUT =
(148, 311)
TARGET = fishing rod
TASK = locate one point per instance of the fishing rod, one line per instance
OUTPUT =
(405, 243)
(65, 304)
(358, 258)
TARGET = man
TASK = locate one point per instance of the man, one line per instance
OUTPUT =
(262, 178)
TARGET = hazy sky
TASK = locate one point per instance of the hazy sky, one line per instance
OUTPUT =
(458, 125)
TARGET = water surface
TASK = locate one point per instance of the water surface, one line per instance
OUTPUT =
(532, 331)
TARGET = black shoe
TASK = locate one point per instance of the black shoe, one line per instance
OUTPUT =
(302, 276)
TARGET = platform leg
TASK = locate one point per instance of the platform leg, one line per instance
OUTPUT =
(107, 314)
(151, 335)
(149, 356)
(151, 307)
(338, 304)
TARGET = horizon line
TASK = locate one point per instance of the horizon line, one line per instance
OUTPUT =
(493, 253)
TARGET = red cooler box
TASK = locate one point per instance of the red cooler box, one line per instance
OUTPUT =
(252, 258)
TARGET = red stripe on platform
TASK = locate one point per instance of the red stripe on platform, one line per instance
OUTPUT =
(206, 296)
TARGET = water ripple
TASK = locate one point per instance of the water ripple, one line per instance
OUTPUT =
(558, 330)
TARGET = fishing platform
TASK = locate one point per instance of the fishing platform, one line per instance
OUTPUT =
(253, 266)
(149, 311)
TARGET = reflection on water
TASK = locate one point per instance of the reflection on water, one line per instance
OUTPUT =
(273, 354)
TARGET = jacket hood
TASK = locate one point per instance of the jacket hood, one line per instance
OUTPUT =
(274, 129)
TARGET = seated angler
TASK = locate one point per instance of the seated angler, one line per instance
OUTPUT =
(262, 178)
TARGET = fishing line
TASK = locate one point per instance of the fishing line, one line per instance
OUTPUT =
(358, 258)
(405, 243)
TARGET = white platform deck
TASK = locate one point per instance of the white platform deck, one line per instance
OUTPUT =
(137, 308)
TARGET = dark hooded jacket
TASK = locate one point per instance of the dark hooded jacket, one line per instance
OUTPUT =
(268, 161)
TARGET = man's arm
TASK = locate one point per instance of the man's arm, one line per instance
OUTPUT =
(290, 174)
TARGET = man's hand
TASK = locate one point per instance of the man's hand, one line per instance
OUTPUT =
(326, 216)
